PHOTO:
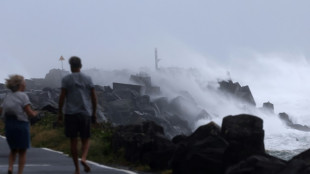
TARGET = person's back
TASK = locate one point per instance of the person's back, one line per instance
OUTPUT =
(78, 88)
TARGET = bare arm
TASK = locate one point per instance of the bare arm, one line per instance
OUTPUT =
(61, 103)
(94, 104)
(29, 111)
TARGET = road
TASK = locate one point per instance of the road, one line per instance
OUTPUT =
(46, 161)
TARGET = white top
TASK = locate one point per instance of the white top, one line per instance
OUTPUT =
(78, 89)
(14, 104)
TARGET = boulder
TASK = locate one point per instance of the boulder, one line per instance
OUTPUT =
(235, 89)
(144, 143)
(268, 107)
(295, 166)
(145, 80)
(285, 118)
(174, 125)
(186, 108)
(202, 152)
(304, 156)
(53, 78)
(137, 89)
(179, 138)
(245, 136)
(258, 164)
(162, 103)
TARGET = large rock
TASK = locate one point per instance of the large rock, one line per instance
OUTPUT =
(295, 166)
(53, 78)
(144, 143)
(200, 153)
(187, 109)
(258, 164)
(235, 89)
(134, 89)
(285, 118)
(267, 106)
(245, 135)
(145, 80)
(300, 164)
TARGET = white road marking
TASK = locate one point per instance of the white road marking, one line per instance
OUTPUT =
(91, 162)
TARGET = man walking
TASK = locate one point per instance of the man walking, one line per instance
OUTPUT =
(80, 101)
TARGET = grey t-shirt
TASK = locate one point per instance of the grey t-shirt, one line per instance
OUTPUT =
(78, 89)
(14, 104)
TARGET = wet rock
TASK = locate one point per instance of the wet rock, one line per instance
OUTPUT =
(144, 143)
(53, 78)
(201, 152)
(258, 164)
(145, 80)
(245, 135)
(186, 108)
(268, 107)
(285, 118)
(295, 166)
(235, 89)
(179, 138)
(135, 89)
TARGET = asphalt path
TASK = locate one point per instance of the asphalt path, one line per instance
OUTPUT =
(46, 161)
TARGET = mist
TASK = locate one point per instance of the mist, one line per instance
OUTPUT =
(279, 78)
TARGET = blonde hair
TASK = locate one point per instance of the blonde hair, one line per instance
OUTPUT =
(14, 82)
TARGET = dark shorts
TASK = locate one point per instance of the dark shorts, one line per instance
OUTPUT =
(77, 125)
(17, 134)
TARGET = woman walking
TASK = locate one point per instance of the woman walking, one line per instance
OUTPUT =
(15, 109)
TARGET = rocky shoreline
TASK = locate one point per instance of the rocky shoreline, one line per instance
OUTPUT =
(157, 132)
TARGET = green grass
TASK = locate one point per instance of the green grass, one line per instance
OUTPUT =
(43, 134)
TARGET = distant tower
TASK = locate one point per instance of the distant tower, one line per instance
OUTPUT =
(62, 59)
(156, 60)
(229, 76)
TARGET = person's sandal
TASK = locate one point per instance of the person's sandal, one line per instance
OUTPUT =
(86, 167)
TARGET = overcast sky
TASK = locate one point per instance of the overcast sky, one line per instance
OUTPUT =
(115, 34)
(263, 43)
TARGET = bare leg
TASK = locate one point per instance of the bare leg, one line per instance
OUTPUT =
(22, 160)
(74, 153)
(12, 158)
(85, 148)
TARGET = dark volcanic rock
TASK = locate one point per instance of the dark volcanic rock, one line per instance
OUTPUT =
(295, 166)
(202, 152)
(245, 135)
(285, 118)
(300, 164)
(258, 164)
(268, 107)
(53, 78)
(238, 91)
(134, 89)
(145, 80)
(144, 143)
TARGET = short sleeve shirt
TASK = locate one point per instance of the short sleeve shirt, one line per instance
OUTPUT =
(14, 104)
(78, 93)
